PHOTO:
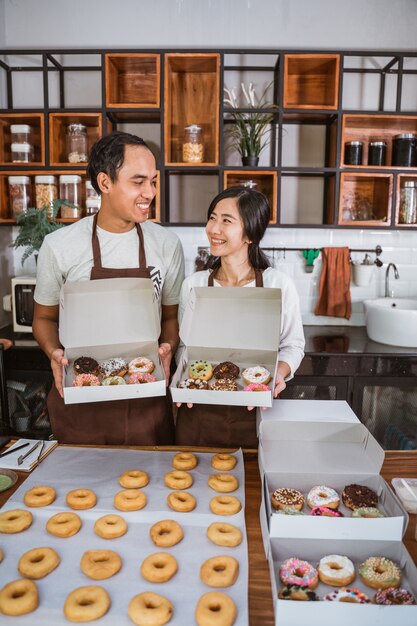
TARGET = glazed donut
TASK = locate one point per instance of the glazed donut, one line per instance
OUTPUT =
(86, 380)
(296, 572)
(86, 365)
(219, 571)
(200, 369)
(227, 369)
(256, 387)
(141, 365)
(39, 496)
(64, 524)
(184, 461)
(347, 594)
(223, 384)
(181, 501)
(215, 609)
(295, 592)
(323, 496)
(225, 505)
(141, 379)
(336, 570)
(19, 597)
(223, 462)
(110, 526)
(367, 511)
(223, 483)
(133, 479)
(38, 562)
(159, 567)
(178, 479)
(358, 496)
(113, 367)
(130, 500)
(80, 499)
(193, 383)
(324, 511)
(379, 572)
(391, 596)
(113, 380)
(86, 604)
(224, 534)
(166, 533)
(150, 609)
(289, 511)
(285, 497)
(15, 521)
(100, 564)
(256, 374)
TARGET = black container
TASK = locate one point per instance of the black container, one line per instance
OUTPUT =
(404, 150)
(377, 153)
(353, 153)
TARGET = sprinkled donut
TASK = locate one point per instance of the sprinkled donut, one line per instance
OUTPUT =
(86, 604)
(113, 367)
(227, 369)
(141, 379)
(256, 387)
(113, 380)
(38, 563)
(379, 572)
(85, 365)
(323, 496)
(193, 383)
(393, 596)
(295, 592)
(256, 374)
(150, 609)
(285, 497)
(141, 365)
(19, 597)
(215, 608)
(367, 511)
(325, 511)
(86, 380)
(15, 521)
(358, 496)
(289, 511)
(200, 369)
(336, 570)
(223, 384)
(347, 594)
(296, 572)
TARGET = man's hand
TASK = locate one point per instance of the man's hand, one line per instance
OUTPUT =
(165, 352)
(57, 361)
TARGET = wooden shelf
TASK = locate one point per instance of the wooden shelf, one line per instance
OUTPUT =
(311, 81)
(266, 182)
(36, 121)
(365, 199)
(58, 123)
(132, 80)
(402, 178)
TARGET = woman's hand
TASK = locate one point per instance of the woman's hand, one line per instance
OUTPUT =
(165, 352)
(280, 384)
(57, 362)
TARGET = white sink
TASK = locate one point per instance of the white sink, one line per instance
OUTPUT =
(392, 321)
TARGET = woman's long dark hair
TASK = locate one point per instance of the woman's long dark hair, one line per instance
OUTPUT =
(255, 213)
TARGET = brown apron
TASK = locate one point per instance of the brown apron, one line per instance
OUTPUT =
(141, 421)
(216, 425)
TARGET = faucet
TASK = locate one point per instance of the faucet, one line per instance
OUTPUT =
(388, 293)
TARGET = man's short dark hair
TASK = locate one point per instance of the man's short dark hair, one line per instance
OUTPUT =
(108, 155)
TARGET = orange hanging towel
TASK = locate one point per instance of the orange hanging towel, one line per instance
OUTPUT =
(334, 298)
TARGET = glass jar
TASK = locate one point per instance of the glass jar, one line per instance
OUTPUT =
(21, 152)
(404, 150)
(408, 202)
(21, 133)
(353, 153)
(46, 191)
(77, 143)
(69, 190)
(377, 153)
(192, 148)
(19, 193)
(92, 205)
(90, 192)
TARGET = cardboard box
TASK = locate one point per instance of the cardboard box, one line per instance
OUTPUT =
(308, 410)
(230, 324)
(105, 319)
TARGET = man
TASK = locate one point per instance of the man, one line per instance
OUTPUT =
(117, 242)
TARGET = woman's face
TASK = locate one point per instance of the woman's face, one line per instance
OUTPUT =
(225, 230)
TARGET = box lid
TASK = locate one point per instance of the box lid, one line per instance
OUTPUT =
(109, 311)
(309, 410)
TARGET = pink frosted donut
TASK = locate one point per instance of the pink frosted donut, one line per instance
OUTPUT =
(256, 374)
(296, 572)
(257, 387)
(141, 365)
(324, 511)
(86, 380)
(140, 379)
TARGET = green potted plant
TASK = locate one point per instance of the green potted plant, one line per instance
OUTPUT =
(34, 225)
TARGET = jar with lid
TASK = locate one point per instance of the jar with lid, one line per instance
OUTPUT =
(90, 192)
(21, 133)
(69, 190)
(408, 202)
(92, 205)
(77, 143)
(404, 150)
(46, 190)
(353, 153)
(192, 148)
(19, 194)
(377, 153)
(21, 152)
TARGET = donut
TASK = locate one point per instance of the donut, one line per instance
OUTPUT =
(347, 594)
(178, 479)
(15, 521)
(113, 380)
(86, 380)
(367, 511)
(358, 496)
(80, 499)
(141, 379)
(379, 572)
(219, 571)
(133, 479)
(325, 511)
(286, 497)
(296, 592)
(130, 500)
(225, 505)
(184, 461)
(391, 596)
(256, 387)
(181, 501)
(256, 374)
(150, 609)
(200, 369)
(223, 483)
(39, 496)
(110, 526)
(19, 597)
(323, 496)
(38, 562)
(227, 369)
(159, 567)
(296, 572)
(223, 534)
(223, 462)
(86, 365)
(336, 570)
(100, 564)
(1, 555)
(64, 524)
(113, 367)
(223, 384)
(215, 609)
(141, 365)
(289, 511)
(86, 604)
(166, 533)
(193, 383)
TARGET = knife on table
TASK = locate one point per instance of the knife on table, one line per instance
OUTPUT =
(22, 457)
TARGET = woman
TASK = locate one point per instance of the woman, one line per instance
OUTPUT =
(237, 221)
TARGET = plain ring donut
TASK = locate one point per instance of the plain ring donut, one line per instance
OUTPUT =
(178, 479)
(223, 483)
(86, 604)
(19, 597)
(110, 526)
(336, 570)
(223, 534)
(80, 499)
(159, 567)
(181, 501)
(100, 564)
(184, 461)
(220, 571)
(64, 524)
(150, 609)
(38, 563)
(39, 496)
(215, 609)
(225, 505)
(223, 462)
(166, 533)
(15, 521)
(130, 500)
(133, 479)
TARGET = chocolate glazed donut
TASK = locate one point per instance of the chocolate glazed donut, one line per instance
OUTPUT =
(85, 365)
(227, 369)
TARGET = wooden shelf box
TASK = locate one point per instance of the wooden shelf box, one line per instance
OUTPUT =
(311, 81)
(266, 182)
(58, 123)
(132, 80)
(365, 199)
(36, 121)
(192, 95)
(402, 178)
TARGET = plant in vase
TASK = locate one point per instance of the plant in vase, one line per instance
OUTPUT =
(34, 225)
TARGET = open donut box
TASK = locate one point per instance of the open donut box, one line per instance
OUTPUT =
(230, 324)
(105, 319)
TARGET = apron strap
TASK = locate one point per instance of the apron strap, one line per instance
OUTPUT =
(96, 246)
(259, 282)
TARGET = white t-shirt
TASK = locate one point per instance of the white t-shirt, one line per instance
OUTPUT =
(291, 347)
(66, 255)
